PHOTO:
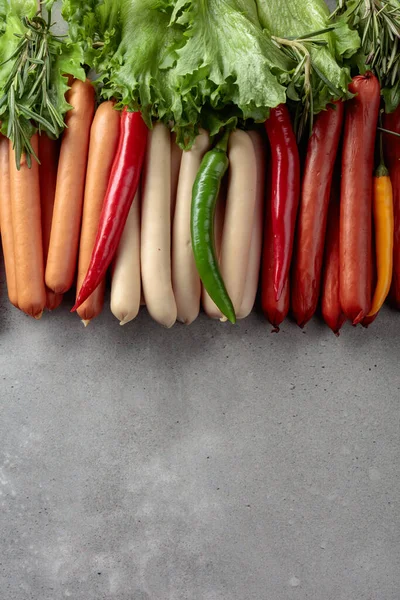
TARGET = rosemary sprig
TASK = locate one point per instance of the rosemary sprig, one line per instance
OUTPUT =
(378, 23)
(389, 131)
(26, 101)
(298, 50)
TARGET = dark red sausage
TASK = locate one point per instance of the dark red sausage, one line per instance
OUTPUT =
(367, 321)
(330, 302)
(311, 226)
(286, 191)
(392, 155)
(356, 196)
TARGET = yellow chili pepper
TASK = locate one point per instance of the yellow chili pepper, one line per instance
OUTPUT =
(384, 232)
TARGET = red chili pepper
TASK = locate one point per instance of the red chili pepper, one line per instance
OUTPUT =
(361, 120)
(311, 226)
(392, 154)
(124, 181)
(286, 191)
(275, 312)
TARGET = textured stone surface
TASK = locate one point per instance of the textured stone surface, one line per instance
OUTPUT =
(202, 463)
(209, 463)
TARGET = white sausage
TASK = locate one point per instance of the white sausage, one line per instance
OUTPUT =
(239, 215)
(185, 278)
(176, 157)
(156, 228)
(253, 271)
(209, 306)
(126, 284)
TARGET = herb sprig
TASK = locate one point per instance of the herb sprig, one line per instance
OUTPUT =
(306, 73)
(26, 99)
(378, 23)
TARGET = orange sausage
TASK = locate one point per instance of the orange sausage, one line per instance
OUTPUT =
(65, 230)
(104, 136)
(7, 234)
(48, 155)
(27, 228)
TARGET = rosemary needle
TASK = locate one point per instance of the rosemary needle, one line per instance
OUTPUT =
(378, 22)
(26, 102)
(308, 73)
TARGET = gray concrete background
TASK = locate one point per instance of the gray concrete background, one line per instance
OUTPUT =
(202, 463)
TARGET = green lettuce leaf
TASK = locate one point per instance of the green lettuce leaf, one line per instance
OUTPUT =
(293, 19)
(347, 42)
(227, 60)
(127, 43)
(92, 22)
(190, 63)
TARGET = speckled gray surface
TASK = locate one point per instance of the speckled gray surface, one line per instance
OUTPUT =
(209, 463)
(202, 463)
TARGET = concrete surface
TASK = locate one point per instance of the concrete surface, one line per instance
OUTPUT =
(209, 463)
(201, 463)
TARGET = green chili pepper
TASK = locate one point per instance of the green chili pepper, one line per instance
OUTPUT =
(204, 200)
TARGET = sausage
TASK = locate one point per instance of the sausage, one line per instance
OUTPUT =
(239, 215)
(6, 223)
(27, 228)
(126, 281)
(330, 296)
(156, 228)
(176, 157)
(368, 320)
(311, 225)
(104, 137)
(65, 231)
(185, 278)
(48, 155)
(356, 197)
(253, 269)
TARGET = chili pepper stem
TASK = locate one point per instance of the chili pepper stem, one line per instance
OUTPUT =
(223, 142)
(381, 171)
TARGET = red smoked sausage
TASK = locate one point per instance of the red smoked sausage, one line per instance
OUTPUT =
(330, 303)
(311, 226)
(356, 196)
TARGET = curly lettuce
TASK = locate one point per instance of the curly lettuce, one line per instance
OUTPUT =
(227, 60)
(189, 63)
